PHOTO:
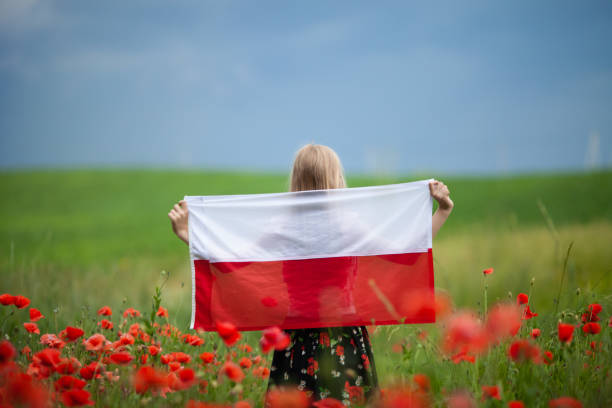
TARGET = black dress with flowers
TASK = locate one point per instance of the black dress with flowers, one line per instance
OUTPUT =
(332, 362)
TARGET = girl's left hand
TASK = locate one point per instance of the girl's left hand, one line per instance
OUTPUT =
(441, 194)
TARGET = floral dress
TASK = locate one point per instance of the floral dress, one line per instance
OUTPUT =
(332, 362)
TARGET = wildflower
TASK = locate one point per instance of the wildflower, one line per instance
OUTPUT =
(131, 312)
(76, 398)
(523, 350)
(232, 371)
(522, 299)
(464, 333)
(529, 314)
(463, 356)
(51, 340)
(566, 332)
(488, 271)
(106, 324)
(422, 381)
(7, 300)
(328, 403)
(516, 404)
(490, 392)
(535, 333)
(71, 333)
(207, 357)
(91, 370)
(95, 342)
(26, 351)
(121, 357)
(591, 328)
(21, 390)
(228, 333)
(565, 402)
(274, 337)
(548, 357)
(32, 328)
(148, 378)
(7, 352)
(154, 350)
(504, 320)
(461, 399)
(21, 301)
(404, 397)
(105, 311)
(261, 372)
(287, 398)
(162, 312)
(68, 382)
(35, 315)
(245, 362)
(68, 366)
(126, 339)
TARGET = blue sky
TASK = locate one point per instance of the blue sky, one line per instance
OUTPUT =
(394, 87)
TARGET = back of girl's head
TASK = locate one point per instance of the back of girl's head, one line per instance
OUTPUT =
(316, 167)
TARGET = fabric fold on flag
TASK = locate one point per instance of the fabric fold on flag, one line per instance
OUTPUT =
(321, 258)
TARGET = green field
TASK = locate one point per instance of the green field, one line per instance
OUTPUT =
(81, 238)
(73, 241)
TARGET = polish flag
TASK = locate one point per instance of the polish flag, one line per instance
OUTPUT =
(321, 258)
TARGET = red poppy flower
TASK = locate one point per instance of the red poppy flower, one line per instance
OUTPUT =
(528, 313)
(35, 315)
(162, 312)
(339, 351)
(121, 357)
(516, 404)
(154, 350)
(548, 357)
(328, 403)
(7, 352)
(126, 339)
(245, 362)
(463, 356)
(95, 342)
(91, 370)
(464, 333)
(48, 357)
(461, 399)
(565, 402)
(105, 311)
(232, 371)
(422, 381)
(106, 324)
(522, 299)
(71, 333)
(244, 404)
(488, 271)
(228, 333)
(148, 378)
(68, 366)
(594, 308)
(76, 398)
(51, 340)
(68, 382)
(566, 332)
(21, 301)
(207, 357)
(591, 328)
(185, 378)
(504, 320)
(273, 337)
(490, 391)
(131, 312)
(7, 300)
(287, 398)
(32, 328)
(523, 350)
(535, 333)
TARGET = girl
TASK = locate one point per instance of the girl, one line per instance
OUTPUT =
(325, 362)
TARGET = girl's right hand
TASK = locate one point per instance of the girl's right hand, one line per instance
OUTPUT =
(179, 217)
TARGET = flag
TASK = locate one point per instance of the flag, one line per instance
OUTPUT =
(321, 258)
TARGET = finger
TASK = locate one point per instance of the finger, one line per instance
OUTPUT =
(171, 216)
(183, 203)
(177, 208)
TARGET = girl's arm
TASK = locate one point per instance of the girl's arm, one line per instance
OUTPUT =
(179, 216)
(440, 193)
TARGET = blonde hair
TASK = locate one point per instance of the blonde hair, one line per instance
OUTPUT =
(316, 167)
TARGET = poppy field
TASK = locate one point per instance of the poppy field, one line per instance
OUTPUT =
(524, 302)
